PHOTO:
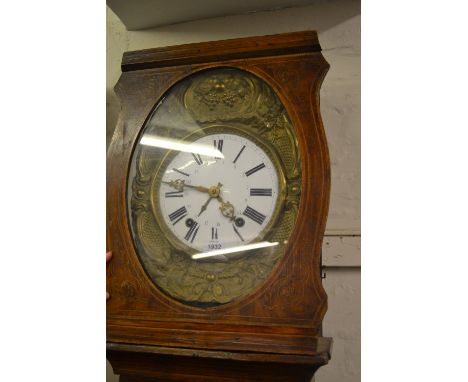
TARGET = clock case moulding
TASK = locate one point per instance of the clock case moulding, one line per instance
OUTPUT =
(274, 333)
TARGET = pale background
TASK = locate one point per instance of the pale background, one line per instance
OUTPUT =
(338, 25)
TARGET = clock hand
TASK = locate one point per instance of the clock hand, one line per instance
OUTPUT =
(179, 185)
(199, 188)
(203, 208)
(226, 208)
(213, 191)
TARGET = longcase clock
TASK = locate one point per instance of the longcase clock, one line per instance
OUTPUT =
(217, 197)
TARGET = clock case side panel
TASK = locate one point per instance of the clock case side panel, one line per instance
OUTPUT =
(285, 313)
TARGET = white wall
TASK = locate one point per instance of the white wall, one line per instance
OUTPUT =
(338, 25)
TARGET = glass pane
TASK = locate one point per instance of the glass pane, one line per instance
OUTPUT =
(214, 187)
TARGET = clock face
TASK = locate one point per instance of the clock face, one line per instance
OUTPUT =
(221, 200)
(214, 187)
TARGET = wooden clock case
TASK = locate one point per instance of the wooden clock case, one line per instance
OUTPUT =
(273, 334)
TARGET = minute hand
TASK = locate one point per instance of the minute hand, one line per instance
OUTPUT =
(179, 185)
(199, 188)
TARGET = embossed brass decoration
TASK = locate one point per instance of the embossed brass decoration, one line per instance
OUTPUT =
(218, 100)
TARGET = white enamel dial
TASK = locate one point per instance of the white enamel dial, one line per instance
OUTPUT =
(244, 178)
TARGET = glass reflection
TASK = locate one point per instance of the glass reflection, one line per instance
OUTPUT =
(172, 144)
(240, 248)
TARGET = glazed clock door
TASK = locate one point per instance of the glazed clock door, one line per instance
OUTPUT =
(214, 187)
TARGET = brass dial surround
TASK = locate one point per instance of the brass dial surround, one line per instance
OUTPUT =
(246, 106)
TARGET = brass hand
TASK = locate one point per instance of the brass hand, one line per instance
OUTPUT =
(213, 191)
(203, 208)
(226, 208)
(179, 185)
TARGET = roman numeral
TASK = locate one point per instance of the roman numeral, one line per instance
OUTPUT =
(178, 215)
(238, 155)
(218, 145)
(214, 233)
(175, 194)
(197, 158)
(260, 192)
(192, 232)
(181, 172)
(256, 216)
(255, 169)
(237, 232)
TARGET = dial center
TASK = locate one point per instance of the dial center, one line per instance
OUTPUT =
(213, 191)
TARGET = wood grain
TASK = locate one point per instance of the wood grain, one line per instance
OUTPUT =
(271, 45)
(146, 363)
(284, 315)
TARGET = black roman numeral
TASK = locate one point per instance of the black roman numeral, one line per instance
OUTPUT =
(260, 192)
(197, 158)
(255, 169)
(254, 215)
(175, 194)
(237, 232)
(218, 145)
(238, 155)
(192, 232)
(178, 215)
(214, 233)
(181, 172)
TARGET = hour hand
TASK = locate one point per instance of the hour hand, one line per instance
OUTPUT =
(203, 208)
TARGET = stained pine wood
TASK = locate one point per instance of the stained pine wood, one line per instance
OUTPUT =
(283, 317)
